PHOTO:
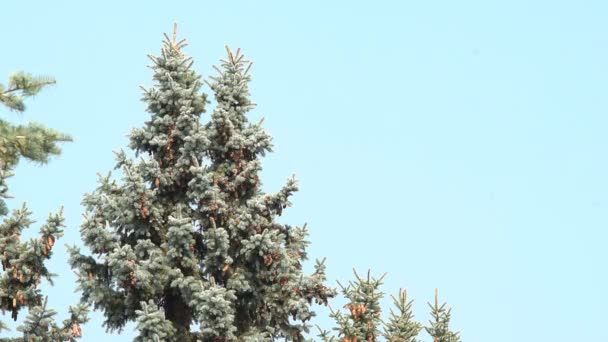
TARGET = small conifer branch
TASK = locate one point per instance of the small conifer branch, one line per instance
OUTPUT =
(167, 37)
(145, 90)
(174, 32)
(436, 301)
(229, 54)
(152, 58)
(34, 84)
(218, 70)
(247, 69)
(260, 124)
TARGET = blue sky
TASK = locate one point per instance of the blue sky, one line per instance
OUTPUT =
(453, 144)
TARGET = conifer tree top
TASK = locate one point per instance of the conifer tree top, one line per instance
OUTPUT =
(188, 236)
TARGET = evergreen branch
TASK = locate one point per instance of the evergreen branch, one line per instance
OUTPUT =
(247, 69)
(22, 85)
(229, 54)
(34, 83)
(218, 70)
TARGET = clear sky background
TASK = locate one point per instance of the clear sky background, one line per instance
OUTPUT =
(458, 145)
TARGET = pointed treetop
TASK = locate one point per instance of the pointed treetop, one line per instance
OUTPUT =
(436, 301)
(173, 43)
(436, 339)
(174, 32)
(237, 59)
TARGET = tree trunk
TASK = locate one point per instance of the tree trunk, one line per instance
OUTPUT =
(180, 315)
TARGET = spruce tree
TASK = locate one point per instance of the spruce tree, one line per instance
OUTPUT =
(439, 326)
(23, 262)
(401, 326)
(188, 236)
(362, 319)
